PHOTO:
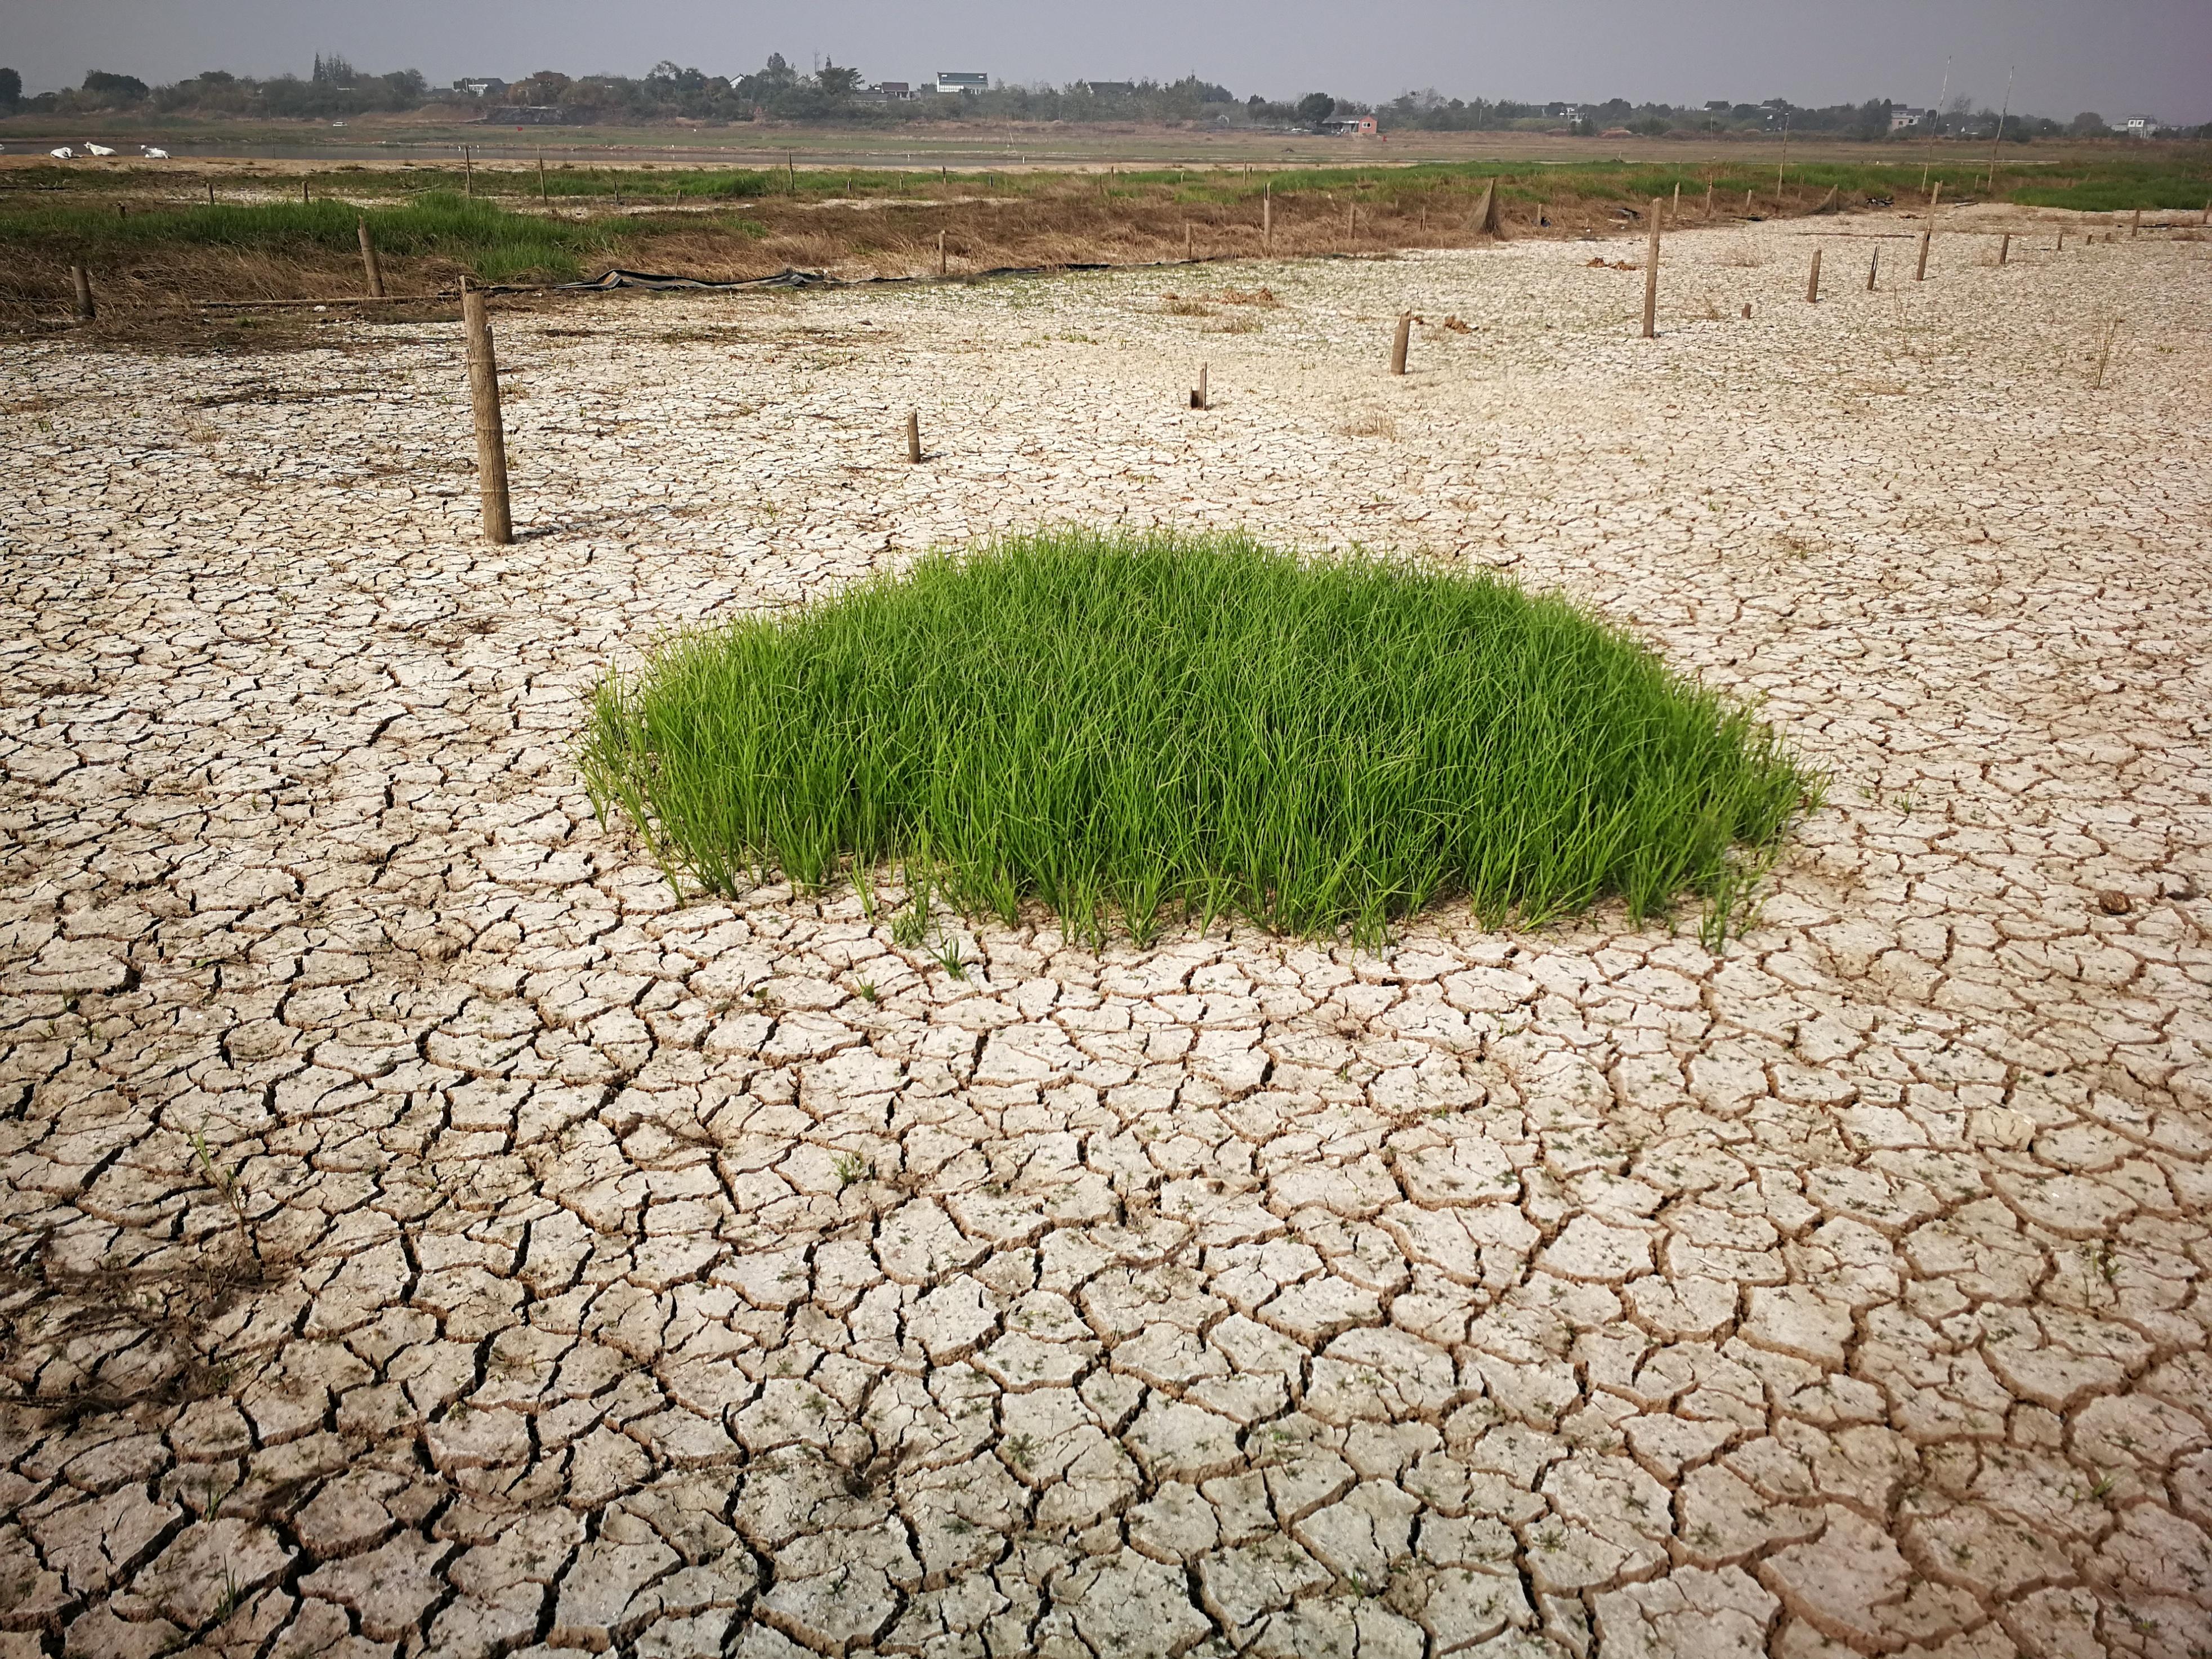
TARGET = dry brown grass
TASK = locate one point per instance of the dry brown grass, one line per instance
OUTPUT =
(1373, 424)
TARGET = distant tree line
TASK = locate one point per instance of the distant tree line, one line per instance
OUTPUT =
(835, 92)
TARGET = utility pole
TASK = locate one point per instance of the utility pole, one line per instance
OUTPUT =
(1991, 183)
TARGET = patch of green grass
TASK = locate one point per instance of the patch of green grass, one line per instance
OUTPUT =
(492, 243)
(1130, 725)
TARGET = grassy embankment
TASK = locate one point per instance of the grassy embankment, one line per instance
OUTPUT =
(148, 240)
(1127, 728)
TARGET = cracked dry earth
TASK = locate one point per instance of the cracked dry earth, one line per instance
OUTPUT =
(425, 1233)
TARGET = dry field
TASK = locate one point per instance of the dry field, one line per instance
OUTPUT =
(424, 1232)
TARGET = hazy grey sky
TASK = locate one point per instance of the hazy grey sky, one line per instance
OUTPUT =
(2116, 57)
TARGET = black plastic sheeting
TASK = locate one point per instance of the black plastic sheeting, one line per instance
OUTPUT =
(615, 279)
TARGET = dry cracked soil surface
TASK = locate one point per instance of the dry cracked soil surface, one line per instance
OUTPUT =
(424, 1232)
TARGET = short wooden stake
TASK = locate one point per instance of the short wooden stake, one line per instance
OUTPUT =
(1398, 345)
(210, 185)
(2135, 225)
(1874, 265)
(1189, 242)
(370, 270)
(914, 437)
(2061, 248)
(2004, 248)
(1352, 221)
(1651, 273)
(483, 400)
(1267, 216)
(2105, 354)
(791, 174)
(468, 172)
(1746, 204)
(304, 197)
(541, 179)
(81, 279)
(1813, 282)
(1709, 199)
(1678, 199)
(1198, 393)
(940, 253)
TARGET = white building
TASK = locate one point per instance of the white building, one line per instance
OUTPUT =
(1904, 116)
(962, 81)
(2139, 126)
(480, 85)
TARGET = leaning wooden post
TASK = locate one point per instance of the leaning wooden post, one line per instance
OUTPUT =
(369, 266)
(491, 433)
(210, 185)
(1398, 345)
(81, 279)
(1927, 231)
(2004, 248)
(541, 179)
(1651, 273)
(1813, 282)
(304, 198)
(1874, 265)
(914, 437)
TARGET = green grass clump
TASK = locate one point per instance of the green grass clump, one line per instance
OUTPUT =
(1127, 726)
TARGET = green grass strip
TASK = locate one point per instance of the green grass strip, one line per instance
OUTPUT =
(1128, 727)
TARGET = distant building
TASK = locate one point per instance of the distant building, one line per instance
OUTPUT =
(1904, 116)
(895, 89)
(1564, 111)
(2139, 126)
(480, 85)
(1350, 126)
(1110, 89)
(962, 81)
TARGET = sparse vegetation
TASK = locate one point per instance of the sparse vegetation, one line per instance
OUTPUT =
(1127, 726)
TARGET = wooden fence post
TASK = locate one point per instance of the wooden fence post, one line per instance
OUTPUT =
(468, 172)
(1874, 265)
(483, 400)
(304, 198)
(81, 279)
(1813, 282)
(369, 267)
(210, 185)
(1486, 220)
(1926, 232)
(1198, 399)
(1267, 216)
(2004, 248)
(2135, 225)
(541, 179)
(940, 253)
(1398, 345)
(914, 437)
(1709, 199)
(1651, 273)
